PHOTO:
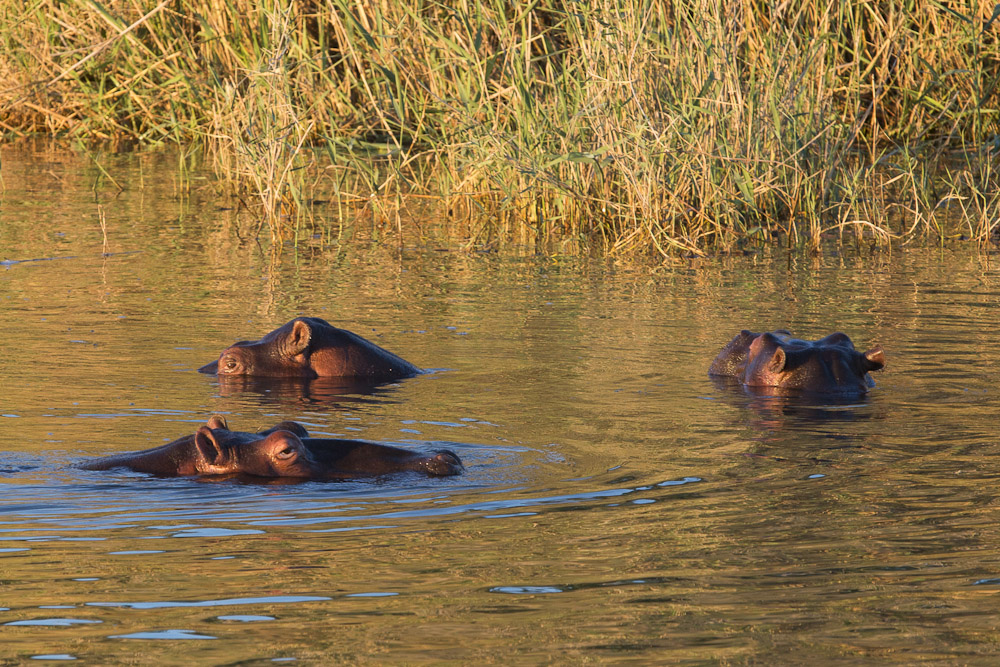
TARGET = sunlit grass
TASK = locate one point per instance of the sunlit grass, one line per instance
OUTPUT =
(257, 131)
(640, 127)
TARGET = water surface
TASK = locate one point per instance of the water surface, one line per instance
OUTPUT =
(617, 505)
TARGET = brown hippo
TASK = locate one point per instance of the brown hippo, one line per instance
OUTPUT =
(829, 365)
(310, 347)
(346, 459)
(215, 450)
(284, 450)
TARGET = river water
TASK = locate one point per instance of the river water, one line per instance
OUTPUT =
(617, 505)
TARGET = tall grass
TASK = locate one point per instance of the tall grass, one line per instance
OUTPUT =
(257, 131)
(637, 127)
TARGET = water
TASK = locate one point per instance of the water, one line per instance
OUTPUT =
(617, 505)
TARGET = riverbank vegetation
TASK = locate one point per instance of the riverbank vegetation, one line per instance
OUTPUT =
(633, 127)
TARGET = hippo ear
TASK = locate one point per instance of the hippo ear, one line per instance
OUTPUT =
(298, 340)
(874, 359)
(208, 452)
(777, 362)
(217, 421)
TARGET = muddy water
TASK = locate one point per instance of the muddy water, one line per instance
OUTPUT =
(617, 505)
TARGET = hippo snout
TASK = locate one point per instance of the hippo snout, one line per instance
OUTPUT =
(444, 463)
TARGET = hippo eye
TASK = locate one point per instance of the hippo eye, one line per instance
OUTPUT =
(230, 364)
(286, 453)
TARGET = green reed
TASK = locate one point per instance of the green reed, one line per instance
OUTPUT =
(634, 127)
(257, 131)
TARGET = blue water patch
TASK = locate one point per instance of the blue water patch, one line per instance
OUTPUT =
(164, 634)
(526, 590)
(168, 604)
(54, 656)
(55, 622)
(246, 618)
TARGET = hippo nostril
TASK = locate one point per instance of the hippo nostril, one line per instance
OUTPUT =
(445, 462)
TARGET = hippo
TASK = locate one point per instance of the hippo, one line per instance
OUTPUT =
(309, 347)
(284, 450)
(829, 365)
(215, 450)
(346, 459)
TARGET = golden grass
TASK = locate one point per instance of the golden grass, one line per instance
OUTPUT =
(638, 127)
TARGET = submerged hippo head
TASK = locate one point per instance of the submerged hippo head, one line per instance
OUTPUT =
(310, 347)
(283, 451)
(338, 458)
(215, 450)
(829, 365)
(277, 452)
(444, 463)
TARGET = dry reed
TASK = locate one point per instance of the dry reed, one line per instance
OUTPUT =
(663, 127)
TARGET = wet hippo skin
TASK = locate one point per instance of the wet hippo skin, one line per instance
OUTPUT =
(310, 347)
(215, 450)
(339, 458)
(830, 365)
(345, 459)
(284, 450)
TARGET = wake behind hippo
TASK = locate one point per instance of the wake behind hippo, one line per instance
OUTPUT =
(310, 347)
(284, 450)
(830, 365)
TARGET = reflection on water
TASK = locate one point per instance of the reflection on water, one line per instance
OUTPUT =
(617, 505)
(55, 622)
(279, 599)
(323, 391)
